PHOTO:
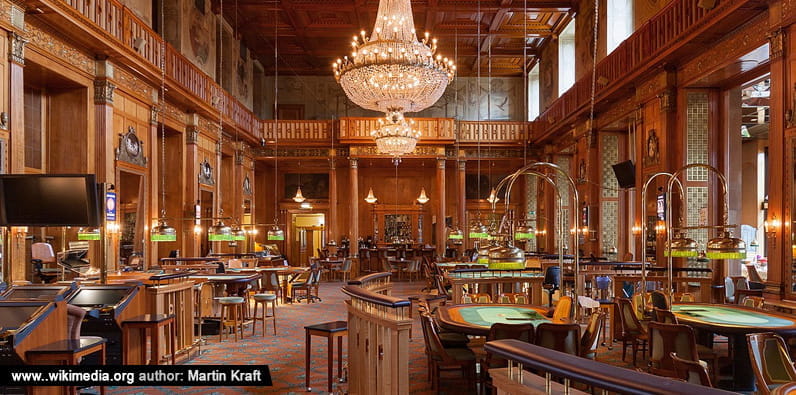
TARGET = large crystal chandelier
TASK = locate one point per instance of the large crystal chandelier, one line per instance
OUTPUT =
(394, 73)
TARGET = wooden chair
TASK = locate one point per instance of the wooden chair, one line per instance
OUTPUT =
(448, 338)
(270, 283)
(755, 302)
(679, 339)
(684, 297)
(306, 284)
(345, 270)
(413, 269)
(499, 331)
(632, 330)
(591, 336)
(560, 337)
(445, 358)
(741, 294)
(563, 310)
(660, 300)
(690, 371)
(512, 298)
(664, 316)
(551, 282)
(482, 298)
(770, 361)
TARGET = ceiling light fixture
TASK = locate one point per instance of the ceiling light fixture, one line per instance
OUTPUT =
(393, 72)
(371, 198)
(423, 198)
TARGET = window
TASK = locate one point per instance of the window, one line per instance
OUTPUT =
(620, 22)
(533, 92)
(566, 58)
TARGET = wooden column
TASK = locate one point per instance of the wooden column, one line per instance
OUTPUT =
(103, 145)
(440, 226)
(190, 243)
(354, 224)
(461, 197)
(782, 85)
(333, 229)
(16, 129)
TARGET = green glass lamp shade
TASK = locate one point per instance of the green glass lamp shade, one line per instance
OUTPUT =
(506, 257)
(88, 234)
(163, 232)
(726, 247)
(479, 231)
(681, 247)
(219, 232)
(276, 234)
(524, 233)
(238, 234)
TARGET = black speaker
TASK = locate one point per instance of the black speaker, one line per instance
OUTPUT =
(625, 174)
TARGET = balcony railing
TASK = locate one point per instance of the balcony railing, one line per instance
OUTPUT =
(299, 131)
(353, 130)
(127, 29)
(659, 34)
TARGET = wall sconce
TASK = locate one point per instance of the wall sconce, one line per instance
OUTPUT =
(636, 230)
(771, 229)
(197, 229)
(19, 231)
(112, 227)
(584, 230)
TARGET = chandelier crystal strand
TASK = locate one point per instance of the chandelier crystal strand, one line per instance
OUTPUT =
(276, 233)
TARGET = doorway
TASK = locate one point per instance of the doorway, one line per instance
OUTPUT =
(206, 207)
(307, 231)
(131, 210)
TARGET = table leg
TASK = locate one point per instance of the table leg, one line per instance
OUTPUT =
(330, 360)
(155, 346)
(742, 375)
(173, 331)
(307, 346)
(339, 358)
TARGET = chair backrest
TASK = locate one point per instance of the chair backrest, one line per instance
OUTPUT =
(563, 309)
(630, 322)
(533, 263)
(665, 316)
(552, 276)
(505, 299)
(500, 331)
(690, 371)
(234, 264)
(639, 304)
(741, 294)
(560, 337)
(660, 300)
(440, 283)
(468, 299)
(770, 360)
(753, 274)
(434, 347)
(482, 298)
(684, 297)
(755, 302)
(346, 266)
(666, 339)
(43, 252)
(729, 289)
(591, 336)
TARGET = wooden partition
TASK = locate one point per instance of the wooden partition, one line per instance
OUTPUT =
(378, 337)
(175, 298)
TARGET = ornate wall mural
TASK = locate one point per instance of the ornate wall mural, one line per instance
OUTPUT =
(199, 38)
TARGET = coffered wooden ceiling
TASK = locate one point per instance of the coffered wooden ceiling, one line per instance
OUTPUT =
(313, 33)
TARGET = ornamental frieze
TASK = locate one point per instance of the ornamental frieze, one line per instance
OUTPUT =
(130, 83)
(45, 40)
(293, 152)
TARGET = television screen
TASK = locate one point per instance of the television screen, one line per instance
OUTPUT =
(660, 204)
(12, 316)
(49, 200)
(98, 297)
(625, 174)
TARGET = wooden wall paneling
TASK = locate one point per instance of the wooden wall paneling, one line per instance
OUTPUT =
(333, 228)
(441, 212)
(356, 204)
(190, 243)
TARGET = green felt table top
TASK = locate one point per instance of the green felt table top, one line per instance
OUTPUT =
(495, 274)
(488, 315)
(727, 315)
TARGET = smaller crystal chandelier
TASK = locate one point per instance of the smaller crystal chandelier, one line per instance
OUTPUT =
(371, 198)
(423, 198)
(395, 135)
(299, 197)
(493, 197)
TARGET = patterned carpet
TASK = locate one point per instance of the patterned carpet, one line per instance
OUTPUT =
(284, 353)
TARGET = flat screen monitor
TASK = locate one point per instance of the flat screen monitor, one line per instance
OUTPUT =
(625, 173)
(660, 205)
(44, 293)
(49, 200)
(98, 297)
(11, 317)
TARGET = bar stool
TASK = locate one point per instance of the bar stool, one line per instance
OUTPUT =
(153, 322)
(329, 330)
(231, 309)
(264, 299)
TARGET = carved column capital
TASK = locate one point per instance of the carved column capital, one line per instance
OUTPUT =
(239, 158)
(462, 164)
(441, 163)
(153, 115)
(354, 163)
(776, 43)
(667, 100)
(191, 135)
(16, 48)
(103, 92)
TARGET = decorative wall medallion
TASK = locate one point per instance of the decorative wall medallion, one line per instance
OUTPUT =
(651, 153)
(130, 148)
(206, 173)
(247, 185)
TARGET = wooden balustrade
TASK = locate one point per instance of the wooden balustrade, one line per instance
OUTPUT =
(493, 132)
(299, 131)
(353, 130)
(677, 19)
(378, 338)
(122, 24)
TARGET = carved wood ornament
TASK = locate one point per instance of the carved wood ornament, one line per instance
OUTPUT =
(131, 149)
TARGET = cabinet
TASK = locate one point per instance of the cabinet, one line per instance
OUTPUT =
(402, 223)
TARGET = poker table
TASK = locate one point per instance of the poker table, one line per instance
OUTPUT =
(496, 282)
(735, 322)
(452, 265)
(235, 283)
(476, 319)
(285, 273)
